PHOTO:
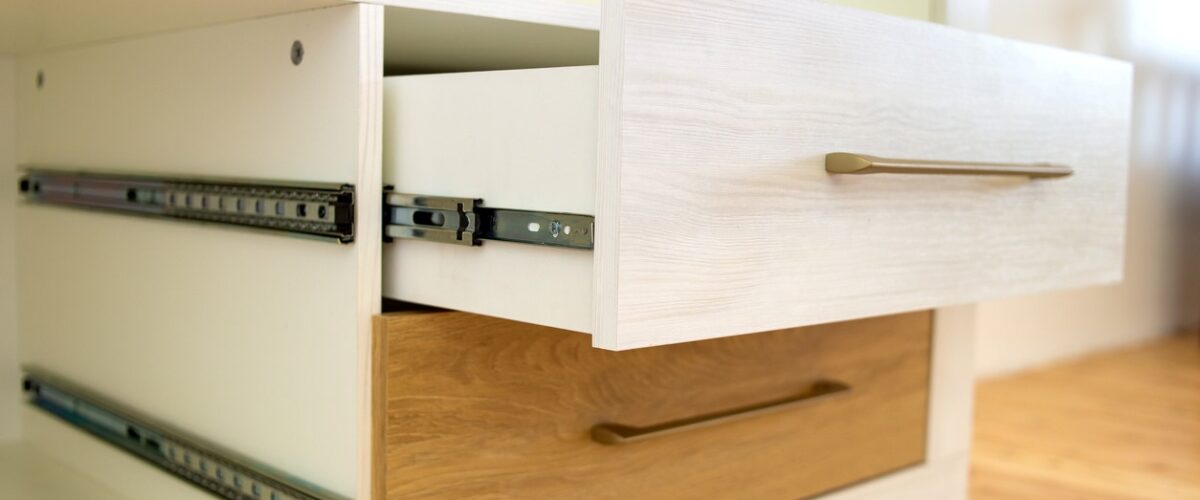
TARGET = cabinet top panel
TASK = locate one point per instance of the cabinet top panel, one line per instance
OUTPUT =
(30, 26)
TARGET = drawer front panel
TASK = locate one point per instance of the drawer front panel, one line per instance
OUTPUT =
(470, 406)
(716, 215)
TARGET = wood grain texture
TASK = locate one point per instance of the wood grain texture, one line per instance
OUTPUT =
(716, 216)
(369, 216)
(481, 407)
(1119, 425)
(943, 475)
(244, 338)
(516, 139)
(378, 424)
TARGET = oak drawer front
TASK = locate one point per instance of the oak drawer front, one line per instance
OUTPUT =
(717, 215)
(471, 406)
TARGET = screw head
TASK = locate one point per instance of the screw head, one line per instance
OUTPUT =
(297, 52)
(41, 79)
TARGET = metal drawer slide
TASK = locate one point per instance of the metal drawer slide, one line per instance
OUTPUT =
(216, 470)
(465, 221)
(325, 211)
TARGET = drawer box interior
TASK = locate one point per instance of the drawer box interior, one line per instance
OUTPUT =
(467, 405)
(523, 139)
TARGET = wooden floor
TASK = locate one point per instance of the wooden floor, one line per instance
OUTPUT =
(1119, 425)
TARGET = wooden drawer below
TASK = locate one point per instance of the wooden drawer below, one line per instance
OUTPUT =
(470, 406)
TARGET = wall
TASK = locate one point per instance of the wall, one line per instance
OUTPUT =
(10, 396)
(1028, 331)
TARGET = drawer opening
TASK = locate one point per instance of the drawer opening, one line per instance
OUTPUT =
(524, 143)
(471, 103)
(420, 41)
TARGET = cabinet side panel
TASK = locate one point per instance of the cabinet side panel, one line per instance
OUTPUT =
(247, 339)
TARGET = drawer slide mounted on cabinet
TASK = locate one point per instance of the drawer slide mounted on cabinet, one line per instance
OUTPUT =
(465, 221)
(217, 471)
(318, 211)
(322, 211)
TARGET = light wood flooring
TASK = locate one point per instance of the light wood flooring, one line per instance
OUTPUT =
(1117, 425)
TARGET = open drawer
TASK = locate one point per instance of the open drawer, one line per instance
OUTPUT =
(700, 145)
(468, 406)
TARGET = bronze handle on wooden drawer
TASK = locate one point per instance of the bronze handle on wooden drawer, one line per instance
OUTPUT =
(623, 434)
(850, 163)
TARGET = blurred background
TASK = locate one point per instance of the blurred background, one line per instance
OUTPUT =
(1161, 291)
(1160, 295)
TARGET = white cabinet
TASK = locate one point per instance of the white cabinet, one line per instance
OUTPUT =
(697, 146)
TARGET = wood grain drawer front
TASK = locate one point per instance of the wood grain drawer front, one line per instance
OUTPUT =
(470, 406)
(715, 214)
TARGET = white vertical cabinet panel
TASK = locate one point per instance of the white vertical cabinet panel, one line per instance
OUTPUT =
(256, 341)
(221, 101)
(516, 139)
(716, 216)
(74, 460)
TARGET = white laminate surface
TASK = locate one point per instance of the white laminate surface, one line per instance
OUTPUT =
(716, 216)
(255, 341)
(516, 139)
(29, 474)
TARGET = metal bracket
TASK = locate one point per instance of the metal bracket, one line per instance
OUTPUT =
(464, 221)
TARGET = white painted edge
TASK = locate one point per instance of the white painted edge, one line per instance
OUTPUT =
(369, 228)
(549, 12)
(606, 254)
(952, 382)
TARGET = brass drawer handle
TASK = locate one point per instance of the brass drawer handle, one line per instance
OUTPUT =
(850, 163)
(623, 434)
